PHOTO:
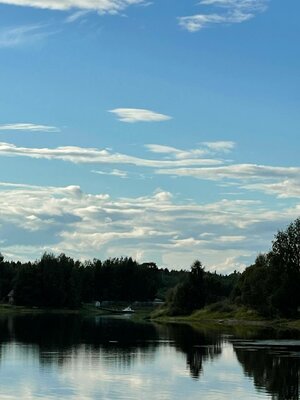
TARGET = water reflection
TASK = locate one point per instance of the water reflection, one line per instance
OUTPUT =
(274, 366)
(55, 337)
(71, 357)
(196, 345)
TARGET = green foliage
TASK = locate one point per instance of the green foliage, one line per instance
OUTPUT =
(199, 288)
(219, 287)
(7, 273)
(188, 295)
(61, 282)
(286, 246)
(27, 287)
(221, 307)
(272, 285)
(168, 280)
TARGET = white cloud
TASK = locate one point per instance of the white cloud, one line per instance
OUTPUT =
(194, 23)
(28, 127)
(178, 154)
(238, 172)
(84, 225)
(76, 154)
(283, 182)
(206, 148)
(236, 11)
(101, 6)
(287, 188)
(196, 163)
(114, 172)
(250, 5)
(138, 115)
(220, 146)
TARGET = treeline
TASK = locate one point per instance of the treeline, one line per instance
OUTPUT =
(271, 286)
(61, 282)
(199, 289)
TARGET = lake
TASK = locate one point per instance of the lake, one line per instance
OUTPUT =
(73, 357)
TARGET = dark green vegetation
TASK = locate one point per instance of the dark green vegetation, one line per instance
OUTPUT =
(61, 282)
(272, 285)
(269, 288)
(199, 289)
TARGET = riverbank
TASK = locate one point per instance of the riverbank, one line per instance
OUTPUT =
(237, 317)
(234, 316)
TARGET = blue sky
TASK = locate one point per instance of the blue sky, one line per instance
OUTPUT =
(166, 131)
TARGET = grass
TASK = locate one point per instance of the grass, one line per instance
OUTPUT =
(223, 314)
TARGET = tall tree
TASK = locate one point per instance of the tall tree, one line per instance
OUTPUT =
(286, 246)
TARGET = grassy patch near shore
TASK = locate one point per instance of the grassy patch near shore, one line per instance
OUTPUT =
(216, 311)
(223, 315)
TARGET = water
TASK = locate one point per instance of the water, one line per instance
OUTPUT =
(70, 357)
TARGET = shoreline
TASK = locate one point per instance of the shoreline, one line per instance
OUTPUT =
(225, 323)
(198, 318)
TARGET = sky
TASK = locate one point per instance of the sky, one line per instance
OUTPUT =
(167, 131)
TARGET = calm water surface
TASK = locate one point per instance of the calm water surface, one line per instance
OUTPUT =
(71, 357)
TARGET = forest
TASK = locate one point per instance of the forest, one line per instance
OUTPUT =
(271, 286)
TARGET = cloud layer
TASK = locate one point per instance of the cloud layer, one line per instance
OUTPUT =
(156, 227)
(204, 162)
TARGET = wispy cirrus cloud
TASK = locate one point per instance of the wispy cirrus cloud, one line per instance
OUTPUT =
(101, 6)
(250, 5)
(75, 16)
(28, 127)
(133, 115)
(15, 36)
(227, 12)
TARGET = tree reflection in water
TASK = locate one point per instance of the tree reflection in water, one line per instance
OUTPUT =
(196, 345)
(273, 368)
(116, 340)
(58, 340)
